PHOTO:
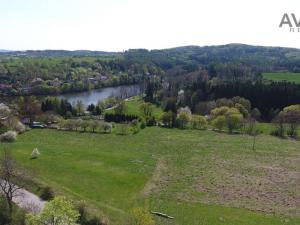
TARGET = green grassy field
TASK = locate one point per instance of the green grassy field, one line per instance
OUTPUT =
(199, 177)
(133, 107)
(291, 77)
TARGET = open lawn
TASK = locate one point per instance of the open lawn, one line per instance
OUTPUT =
(291, 77)
(199, 177)
(133, 107)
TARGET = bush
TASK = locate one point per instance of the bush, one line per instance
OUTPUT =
(19, 127)
(141, 216)
(135, 128)
(95, 220)
(280, 127)
(47, 193)
(123, 129)
(9, 136)
(118, 118)
(150, 121)
(182, 120)
(107, 127)
(219, 122)
(143, 124)
(277, 133)
(18, 217)
(199, 122)
(4, 215)
(86, 219)
(167, 118)
(35, 153)
(292, 133)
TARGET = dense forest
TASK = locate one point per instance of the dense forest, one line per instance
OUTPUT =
(205, 73)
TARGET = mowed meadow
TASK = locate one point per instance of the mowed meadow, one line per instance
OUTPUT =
(283, 76)
(199, 177)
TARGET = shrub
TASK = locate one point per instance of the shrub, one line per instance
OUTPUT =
(19, 127)
(198, 122)
(47, 193)
(277, 133)
(219, 122)
(95, 220)
(234, 121)
(86, 219)
(292, 133)
(120, 108)
(143, 123)
(9, 136)
(109, 117)
(123, 129)
(182, 120)
(107, 127)
(150, 121)
(280, 126)
(146, 109)
(4, 215)
(134, 128)
(35, 153)
(167, 119)
(81, 208)
(141, 216)
(84, 125)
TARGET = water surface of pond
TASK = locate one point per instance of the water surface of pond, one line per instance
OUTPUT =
(93, 96)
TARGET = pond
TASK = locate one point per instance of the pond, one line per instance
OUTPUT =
(96, 95)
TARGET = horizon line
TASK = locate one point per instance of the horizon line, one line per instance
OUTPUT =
(3, 50)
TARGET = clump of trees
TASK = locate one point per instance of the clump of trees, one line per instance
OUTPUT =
(223, 116)
(10, 125)
(118, 118)
(146, 111)
(59, 211)
(85, 125)
(287, 121)
(28, 107)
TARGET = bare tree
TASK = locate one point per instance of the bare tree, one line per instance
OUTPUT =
(254, 132)
(12, 179)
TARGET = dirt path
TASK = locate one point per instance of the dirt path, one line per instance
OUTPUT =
(157, 181)
(28, 201)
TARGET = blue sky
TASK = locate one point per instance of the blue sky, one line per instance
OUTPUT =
(117, 25)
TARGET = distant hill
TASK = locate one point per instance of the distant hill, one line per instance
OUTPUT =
(4, 50)
(267, 58)
(57, 53)
(264, 58)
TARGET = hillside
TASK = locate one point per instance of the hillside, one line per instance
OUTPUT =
(265, 57)
(192, 175)
(59, 71)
